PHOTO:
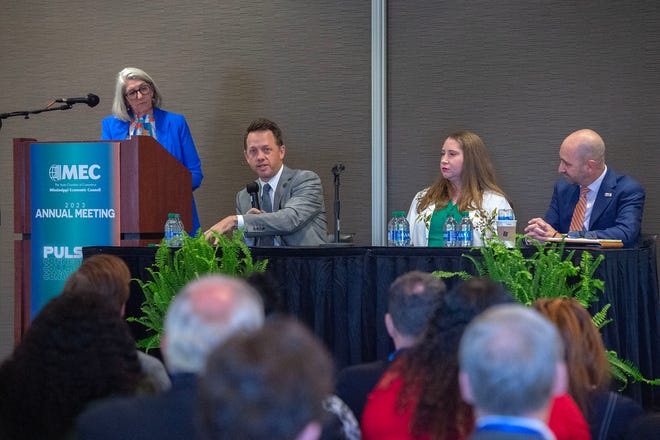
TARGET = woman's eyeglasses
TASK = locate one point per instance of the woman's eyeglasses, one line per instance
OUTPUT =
(144, 89)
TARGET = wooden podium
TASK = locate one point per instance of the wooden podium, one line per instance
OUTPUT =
(150, 183)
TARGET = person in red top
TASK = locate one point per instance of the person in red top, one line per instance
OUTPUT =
(418, 398)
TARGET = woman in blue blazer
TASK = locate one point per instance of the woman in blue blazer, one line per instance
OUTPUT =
(135, 111)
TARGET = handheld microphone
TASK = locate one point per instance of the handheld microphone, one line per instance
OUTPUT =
(91, 100)
(253, 189)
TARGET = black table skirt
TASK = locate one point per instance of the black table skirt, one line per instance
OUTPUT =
(341, 293)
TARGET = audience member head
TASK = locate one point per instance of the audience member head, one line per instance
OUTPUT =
(268, 384)
(586, 360)
(411, 300)
(205, 313)
(104, 275)
(582, 157)
(466, 172)
(77, 349)
(430, 369)
(266, 287)
(121, 104)
(511, 361)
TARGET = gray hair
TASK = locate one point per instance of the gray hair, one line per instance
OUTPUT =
(204, 314)
(120, 106)
(510, 354)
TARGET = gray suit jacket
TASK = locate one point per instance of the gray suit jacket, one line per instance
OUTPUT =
(298, 217)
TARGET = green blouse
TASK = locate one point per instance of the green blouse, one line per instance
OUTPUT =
(437, 227)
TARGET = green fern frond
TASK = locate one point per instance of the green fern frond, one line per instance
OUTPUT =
(624, 371)
(443, 274)
(174, 268)
(600, 318)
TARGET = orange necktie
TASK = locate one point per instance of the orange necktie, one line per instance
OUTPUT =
(577, 222)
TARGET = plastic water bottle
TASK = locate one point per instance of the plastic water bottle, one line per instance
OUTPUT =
(404, 230)
(179, 230)
(398, 230)
(465, 231)
(451, 233)
(391, 229)
(173, 230)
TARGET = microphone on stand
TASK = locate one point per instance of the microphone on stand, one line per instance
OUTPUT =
(337, 170)
(91, 100)
(253, 189)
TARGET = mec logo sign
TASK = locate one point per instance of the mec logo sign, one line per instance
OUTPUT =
(74, 172)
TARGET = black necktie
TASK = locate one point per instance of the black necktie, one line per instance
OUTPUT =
(266, 206)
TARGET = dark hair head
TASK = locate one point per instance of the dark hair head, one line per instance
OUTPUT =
(268, 384)
(263, 124)
(77, 349)
(412, 299)
(264, 283)
(104, 275)
(432, 365)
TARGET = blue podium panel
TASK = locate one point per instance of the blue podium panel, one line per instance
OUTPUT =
(74, 193)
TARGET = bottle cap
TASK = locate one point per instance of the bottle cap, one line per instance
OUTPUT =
(505, 214)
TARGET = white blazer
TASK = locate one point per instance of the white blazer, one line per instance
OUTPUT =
(419, 228)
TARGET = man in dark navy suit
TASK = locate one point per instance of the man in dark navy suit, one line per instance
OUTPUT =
(613, 203)
(412, 298)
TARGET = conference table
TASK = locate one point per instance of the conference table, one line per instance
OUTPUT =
(341, 294)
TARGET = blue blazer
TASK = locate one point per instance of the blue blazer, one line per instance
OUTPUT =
(172, 132)
(616, 214)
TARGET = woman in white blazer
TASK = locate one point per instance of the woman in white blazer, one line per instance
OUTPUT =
(466, 184)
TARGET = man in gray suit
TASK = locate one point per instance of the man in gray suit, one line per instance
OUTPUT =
(291, 211)
(511, 364)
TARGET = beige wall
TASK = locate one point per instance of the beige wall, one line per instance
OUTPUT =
(521, 74)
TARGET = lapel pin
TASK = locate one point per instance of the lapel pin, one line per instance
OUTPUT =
(608, 194)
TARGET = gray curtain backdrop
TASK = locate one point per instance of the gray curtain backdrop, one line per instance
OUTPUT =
(520, 74)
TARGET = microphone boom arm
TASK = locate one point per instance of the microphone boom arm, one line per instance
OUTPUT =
(26, 113)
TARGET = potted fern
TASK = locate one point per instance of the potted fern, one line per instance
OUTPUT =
(549, 272)
(175, 267)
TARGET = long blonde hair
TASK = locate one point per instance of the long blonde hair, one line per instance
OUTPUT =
(477, 176)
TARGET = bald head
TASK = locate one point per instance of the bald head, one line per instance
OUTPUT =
(204, 314)
(588, 143)
(582, 157)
